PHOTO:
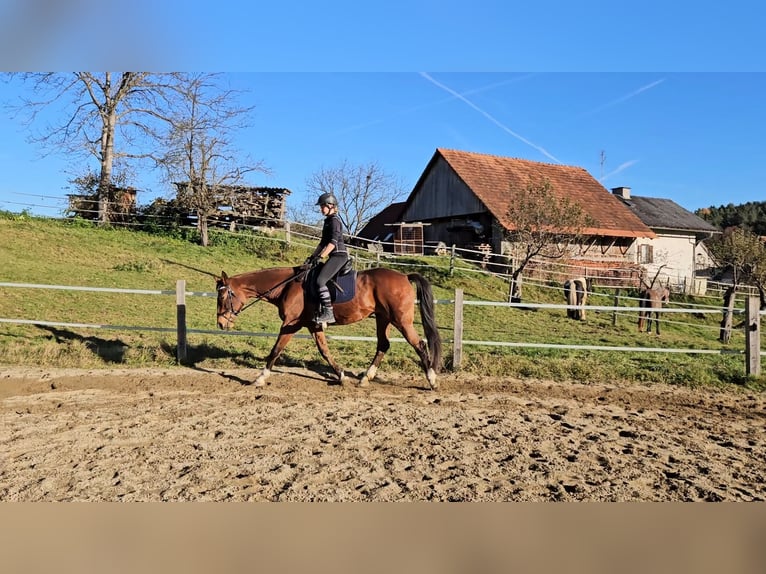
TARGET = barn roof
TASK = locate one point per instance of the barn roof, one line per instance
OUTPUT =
(660, 213)
(496, 180)
(379, 226)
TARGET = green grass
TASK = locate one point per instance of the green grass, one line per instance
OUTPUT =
(49, 252)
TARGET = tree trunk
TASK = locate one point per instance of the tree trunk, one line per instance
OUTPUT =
(762, 297)
(728, 314)
(107, 160)
(514, 288)
(202, 228)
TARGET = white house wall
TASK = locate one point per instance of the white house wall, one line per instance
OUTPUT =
(675, 255)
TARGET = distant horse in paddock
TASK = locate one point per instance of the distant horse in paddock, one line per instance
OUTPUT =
(386, 293)
(576, 293)
(650, 300)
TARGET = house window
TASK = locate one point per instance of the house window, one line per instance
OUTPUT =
(645, 254)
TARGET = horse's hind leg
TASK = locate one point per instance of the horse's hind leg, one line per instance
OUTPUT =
(324, 350)
(381, 325)
(657, 320)
(421, 349)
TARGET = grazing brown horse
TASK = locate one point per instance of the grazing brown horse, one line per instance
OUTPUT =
(650, 301)
(576, 293)
(385, 292)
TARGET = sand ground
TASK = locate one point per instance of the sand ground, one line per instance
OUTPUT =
(194, 435)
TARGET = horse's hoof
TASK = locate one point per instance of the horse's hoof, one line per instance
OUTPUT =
(432, 379)
(260, 381)
(368, 376)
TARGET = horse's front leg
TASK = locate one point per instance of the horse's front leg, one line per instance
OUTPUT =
(382, 326)
(286, 333)
(324, 350)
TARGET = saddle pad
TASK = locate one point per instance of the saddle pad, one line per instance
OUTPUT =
(342, 287)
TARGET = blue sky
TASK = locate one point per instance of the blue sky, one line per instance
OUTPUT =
(672, 97)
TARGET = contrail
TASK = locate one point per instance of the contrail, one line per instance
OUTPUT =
(429, 104)
(488, 116)
(620, 168)
(623, 98)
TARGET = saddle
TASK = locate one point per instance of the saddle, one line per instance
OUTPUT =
(342, 285)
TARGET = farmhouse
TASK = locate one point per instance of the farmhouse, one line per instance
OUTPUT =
(677, 253)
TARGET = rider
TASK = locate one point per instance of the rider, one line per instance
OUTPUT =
(331, 246)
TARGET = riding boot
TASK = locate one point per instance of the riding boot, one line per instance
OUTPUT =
(326, 314)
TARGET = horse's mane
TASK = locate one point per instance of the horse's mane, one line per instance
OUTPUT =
(265, 272)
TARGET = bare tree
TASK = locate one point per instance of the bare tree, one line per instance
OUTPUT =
(199, 153)
(741, 254)
(542, 225)
(644, 284)
(362, 192)
(104, 115)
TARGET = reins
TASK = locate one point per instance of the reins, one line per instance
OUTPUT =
(259, 296)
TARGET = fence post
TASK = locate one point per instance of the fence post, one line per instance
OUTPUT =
(753, 336)
(457, 340)
(181, 321)
(452, 261)
(616, 304)
(288, 235)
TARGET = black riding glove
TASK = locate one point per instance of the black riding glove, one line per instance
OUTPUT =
(311, 261)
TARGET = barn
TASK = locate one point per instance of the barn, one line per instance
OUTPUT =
(462, 199)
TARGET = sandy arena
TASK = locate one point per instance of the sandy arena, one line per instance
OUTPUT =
(193, 435)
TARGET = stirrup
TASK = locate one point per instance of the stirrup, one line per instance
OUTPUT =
(326, 315)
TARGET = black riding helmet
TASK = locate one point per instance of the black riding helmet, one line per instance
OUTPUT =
(327, 199)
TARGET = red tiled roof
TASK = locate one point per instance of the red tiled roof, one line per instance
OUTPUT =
(496, 180)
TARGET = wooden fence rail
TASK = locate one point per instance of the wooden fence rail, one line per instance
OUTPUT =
(752, 349)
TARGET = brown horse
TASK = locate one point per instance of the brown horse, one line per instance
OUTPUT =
(385, 292)
(650, 300)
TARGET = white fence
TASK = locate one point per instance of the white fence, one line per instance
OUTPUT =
(751, 324)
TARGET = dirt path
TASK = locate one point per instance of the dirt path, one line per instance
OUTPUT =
(152, 435)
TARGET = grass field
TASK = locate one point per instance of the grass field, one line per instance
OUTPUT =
(51, 252)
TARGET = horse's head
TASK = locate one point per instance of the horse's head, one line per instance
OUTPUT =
(229, 302)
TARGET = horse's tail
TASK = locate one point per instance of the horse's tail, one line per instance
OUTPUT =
(582, 295)
(426, 297)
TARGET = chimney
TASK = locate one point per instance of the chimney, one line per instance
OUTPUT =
(623, 192)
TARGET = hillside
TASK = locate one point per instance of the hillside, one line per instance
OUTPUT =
(51, 252)
(750, 216)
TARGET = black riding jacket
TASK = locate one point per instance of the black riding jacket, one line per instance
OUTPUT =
(332, 232)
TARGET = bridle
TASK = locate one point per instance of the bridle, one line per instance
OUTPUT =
(227, 313)
(231, 313)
